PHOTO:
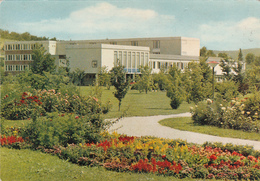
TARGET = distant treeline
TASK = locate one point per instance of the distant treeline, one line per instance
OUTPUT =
(5, 34)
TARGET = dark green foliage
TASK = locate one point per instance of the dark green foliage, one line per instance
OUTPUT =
(77, 77)
(174, 88)
(118, 79)
(62, 130)
(204, 52)
(42, 61)
(240, 56)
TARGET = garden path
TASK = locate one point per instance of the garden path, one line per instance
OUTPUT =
(149, 126)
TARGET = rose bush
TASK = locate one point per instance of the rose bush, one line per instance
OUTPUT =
(238, 114)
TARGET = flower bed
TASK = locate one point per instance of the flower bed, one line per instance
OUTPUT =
(164, 157)
(158, 156)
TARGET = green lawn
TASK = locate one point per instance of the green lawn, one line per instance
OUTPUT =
(30, 165)
(139, 104)
(186, 124)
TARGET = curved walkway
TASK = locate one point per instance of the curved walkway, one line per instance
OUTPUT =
(149, 126)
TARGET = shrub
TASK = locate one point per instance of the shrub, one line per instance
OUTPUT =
(23, 108)
(252, 105)
(231, 116)
(55, 130)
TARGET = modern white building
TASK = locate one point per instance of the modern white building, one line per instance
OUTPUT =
(91, 55)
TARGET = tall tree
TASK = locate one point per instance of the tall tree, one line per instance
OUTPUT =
(42, 61)
(240, 56)
(175, 91)
(118, 79)
(226, 68)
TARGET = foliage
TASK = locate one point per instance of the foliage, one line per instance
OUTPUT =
(240, 56)
(160, 80)
(164, 157)
(144, 81)
(39, 102)
(26, 106)
(77, 77)
(174, 88)
(118, 79)
(225, 65)
(252, 105)
(231, 116)
(42, 61)
(63, 129)
(197, 81)
(250, 58)
(104, 78)
(21, 37)
(226, 90)
(204, 52)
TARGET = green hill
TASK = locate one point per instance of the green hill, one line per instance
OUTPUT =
(234, 53)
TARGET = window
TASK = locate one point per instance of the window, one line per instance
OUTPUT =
(154, 65)
(156, 44)
(138, 59)
(124, 59)
(129, 60)
(120, 57)
(142, 58)
(134, 43)
(133, 59)
(115, 58)
(94, 64)
(159, 65)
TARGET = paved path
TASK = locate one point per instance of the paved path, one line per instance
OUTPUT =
(149, 126)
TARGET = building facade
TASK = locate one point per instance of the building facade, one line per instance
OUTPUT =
(91, 55)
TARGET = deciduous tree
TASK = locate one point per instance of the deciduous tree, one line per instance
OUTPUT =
(118, 80)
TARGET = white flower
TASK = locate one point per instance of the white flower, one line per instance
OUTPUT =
(223, 108)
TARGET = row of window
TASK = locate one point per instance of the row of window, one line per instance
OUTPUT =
(16, 67)
(159, 65)
(20, 47)
(18, 57)
(131, 59)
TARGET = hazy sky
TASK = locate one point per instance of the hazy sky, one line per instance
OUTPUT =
(219, 24)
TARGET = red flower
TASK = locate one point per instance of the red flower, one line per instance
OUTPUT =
(76, 117)
(213, 157)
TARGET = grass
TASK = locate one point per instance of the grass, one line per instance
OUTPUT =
(30, 165)
(139, 104)
(187, 124)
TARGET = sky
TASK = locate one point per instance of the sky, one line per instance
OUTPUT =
(219, 24)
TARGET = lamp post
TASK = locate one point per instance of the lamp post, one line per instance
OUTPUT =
(213, 64)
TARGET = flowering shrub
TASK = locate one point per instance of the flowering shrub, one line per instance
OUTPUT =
(23, 108)
(40, 102)
(232, 116)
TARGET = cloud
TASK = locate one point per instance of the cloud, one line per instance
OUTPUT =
(102, 18)
(245, 33)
